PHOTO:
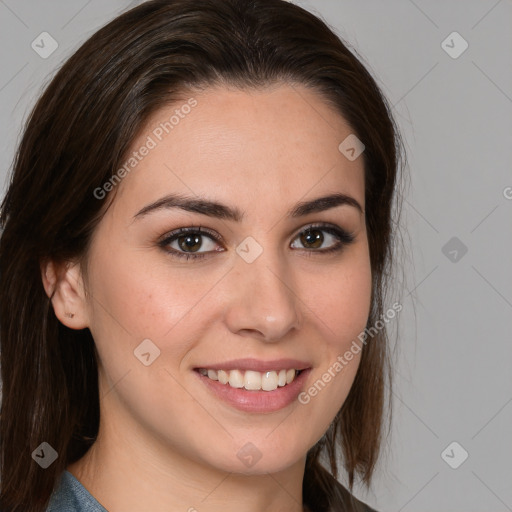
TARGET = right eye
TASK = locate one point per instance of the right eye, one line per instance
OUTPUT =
(187, 242)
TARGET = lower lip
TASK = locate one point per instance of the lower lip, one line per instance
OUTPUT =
(257, 401)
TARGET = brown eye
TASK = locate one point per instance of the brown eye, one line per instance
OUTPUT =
(330, 236)
(189, 242)
(312, 238)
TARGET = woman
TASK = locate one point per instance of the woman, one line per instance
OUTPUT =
(197, 237)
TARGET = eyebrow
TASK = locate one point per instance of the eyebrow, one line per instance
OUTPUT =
(222, 211)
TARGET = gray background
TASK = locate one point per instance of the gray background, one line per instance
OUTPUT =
(453, 370)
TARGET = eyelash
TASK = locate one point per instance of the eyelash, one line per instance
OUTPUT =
(344, 238)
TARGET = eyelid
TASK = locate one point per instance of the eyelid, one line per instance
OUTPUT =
(322, 225)
(190, 229)
(218, 237)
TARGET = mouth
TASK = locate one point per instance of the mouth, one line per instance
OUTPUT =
(255, 386)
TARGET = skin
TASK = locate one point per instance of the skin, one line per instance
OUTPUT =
(165, 442)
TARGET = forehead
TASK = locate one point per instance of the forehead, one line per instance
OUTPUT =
(250, 147)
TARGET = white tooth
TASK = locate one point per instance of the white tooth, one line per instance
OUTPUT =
(269, 381)
(236, 379)
(252, 380)
(223, 376)
(212, 374)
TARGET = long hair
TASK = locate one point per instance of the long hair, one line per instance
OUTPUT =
(75, 140)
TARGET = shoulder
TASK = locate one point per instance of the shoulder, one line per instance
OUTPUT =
(323, 493)
(359, 506)
(352, 504)
(71, 496)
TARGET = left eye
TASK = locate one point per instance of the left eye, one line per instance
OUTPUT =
(186, 242)
(313, 237)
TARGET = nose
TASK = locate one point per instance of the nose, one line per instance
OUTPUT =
(261, 299)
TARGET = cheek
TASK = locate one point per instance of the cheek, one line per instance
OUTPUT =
(136, 299)
(339, 304)
(340, 300)
(346, 306)
(142, 296)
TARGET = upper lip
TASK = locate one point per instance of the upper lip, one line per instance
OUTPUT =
(257, 365)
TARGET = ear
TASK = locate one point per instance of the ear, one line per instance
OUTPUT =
(64, 286)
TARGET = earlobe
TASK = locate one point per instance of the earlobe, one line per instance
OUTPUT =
(64, 286)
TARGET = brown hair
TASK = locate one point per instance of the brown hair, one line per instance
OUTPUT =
(75, 140)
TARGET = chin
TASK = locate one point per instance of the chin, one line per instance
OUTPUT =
(257, 457)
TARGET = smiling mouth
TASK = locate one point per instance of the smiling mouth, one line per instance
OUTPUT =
(252, 380)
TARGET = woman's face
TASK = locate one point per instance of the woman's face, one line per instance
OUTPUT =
(263, 295)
